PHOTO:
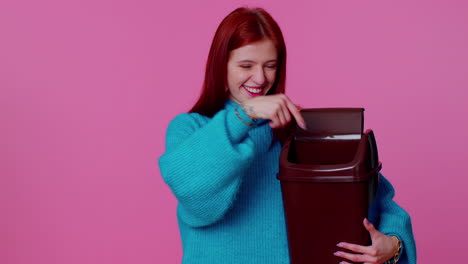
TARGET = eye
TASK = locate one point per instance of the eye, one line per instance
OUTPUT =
(246, 66)
(271, 66)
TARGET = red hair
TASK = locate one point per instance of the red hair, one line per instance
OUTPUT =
(241, 27)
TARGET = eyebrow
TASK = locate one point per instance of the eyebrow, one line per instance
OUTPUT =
(254, 61)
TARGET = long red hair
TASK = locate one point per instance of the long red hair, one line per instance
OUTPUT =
(241, 27)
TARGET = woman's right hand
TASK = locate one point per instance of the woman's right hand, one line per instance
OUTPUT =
(277, 107)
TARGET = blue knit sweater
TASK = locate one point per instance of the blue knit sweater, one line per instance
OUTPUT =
(223, 174)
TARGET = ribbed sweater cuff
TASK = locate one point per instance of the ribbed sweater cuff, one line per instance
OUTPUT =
(237, 128)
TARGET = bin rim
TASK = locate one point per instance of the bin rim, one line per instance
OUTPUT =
(354, 161)
(330, 173)
(332, 178)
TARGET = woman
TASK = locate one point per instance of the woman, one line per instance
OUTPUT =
(221, 158)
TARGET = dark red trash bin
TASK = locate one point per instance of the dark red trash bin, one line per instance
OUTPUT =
(329, 175)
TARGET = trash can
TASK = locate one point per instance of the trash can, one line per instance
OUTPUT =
(329, 176)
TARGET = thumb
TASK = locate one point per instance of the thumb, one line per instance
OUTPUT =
(370, 227)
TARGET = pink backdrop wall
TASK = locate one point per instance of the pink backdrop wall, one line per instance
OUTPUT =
(87, 89)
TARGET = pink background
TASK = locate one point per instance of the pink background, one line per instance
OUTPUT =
(87, 89)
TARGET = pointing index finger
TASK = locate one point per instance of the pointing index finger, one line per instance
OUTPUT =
(297, 114)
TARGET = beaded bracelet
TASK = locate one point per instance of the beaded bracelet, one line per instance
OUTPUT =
(238, 116)
(396, 257)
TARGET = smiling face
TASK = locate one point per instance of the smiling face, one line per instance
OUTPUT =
(251, 70)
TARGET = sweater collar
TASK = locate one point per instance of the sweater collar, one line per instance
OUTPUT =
(230, 103)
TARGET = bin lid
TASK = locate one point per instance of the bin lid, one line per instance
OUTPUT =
(332, 122)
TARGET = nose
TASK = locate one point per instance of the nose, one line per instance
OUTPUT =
(258, 76)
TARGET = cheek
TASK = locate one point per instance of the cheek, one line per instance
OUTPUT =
(239, 78)
(235, 76)
(271, 76)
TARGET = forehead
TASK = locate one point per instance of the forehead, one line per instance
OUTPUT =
(260, 51)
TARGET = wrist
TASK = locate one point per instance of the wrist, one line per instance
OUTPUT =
(244, 117)
(397, 249)
(248, 110)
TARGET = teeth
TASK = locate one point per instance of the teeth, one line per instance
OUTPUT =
(253, 90)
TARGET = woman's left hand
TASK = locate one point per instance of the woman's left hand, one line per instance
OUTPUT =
(382, 249)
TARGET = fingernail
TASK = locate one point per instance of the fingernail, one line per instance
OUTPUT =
(340, 244)
(303, 126)
(337, 253)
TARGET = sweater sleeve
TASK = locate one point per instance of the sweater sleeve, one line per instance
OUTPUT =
(203, 164)
(392, 220)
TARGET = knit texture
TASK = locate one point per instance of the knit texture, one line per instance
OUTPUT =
(223, 174)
